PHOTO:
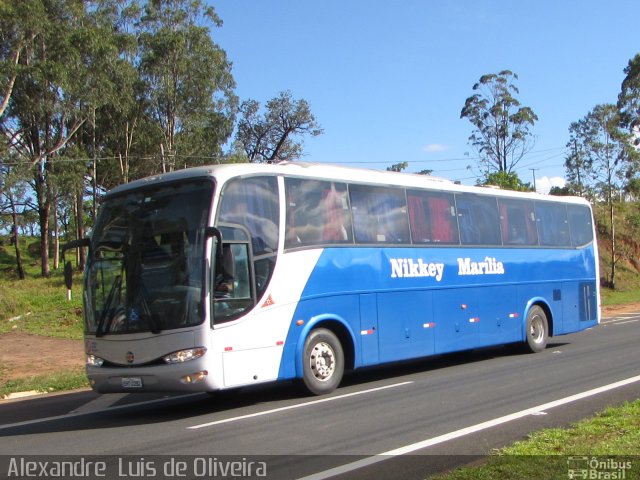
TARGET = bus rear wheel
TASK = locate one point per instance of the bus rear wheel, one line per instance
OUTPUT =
(322, 361)
(537, 333)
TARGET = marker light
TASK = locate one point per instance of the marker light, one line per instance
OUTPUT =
(94, 361)
(182, 356)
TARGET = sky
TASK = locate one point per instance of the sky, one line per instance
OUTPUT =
(386, 80)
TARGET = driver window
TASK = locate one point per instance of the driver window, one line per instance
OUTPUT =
(232, 288)
(253, 203)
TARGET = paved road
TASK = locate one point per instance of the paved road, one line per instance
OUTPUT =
(435, 412)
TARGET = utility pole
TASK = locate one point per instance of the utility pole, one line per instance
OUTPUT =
(534, 178)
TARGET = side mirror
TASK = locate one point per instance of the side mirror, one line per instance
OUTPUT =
(213, 232)
(81, 242)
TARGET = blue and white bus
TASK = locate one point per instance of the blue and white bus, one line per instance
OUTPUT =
(232, 275)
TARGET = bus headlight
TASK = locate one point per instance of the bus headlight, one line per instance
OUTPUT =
(182, 356)
(94, 361)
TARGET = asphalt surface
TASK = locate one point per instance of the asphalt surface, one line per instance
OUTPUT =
(404, 421)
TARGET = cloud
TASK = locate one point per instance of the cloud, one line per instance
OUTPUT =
(544, 184)
(434, 147)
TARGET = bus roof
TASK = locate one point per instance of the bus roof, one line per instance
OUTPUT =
(224, 172)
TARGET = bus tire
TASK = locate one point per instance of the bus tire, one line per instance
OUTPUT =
(537, 330)
(322, 362)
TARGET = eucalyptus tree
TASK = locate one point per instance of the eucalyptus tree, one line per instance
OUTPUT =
(502, 126)
(611, 158)
(187, 78)
(578, 163)
(270, 136)
(62, 76)
(12, 197)
(15, 36)
(629, 99)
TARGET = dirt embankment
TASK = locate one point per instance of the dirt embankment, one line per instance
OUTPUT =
(24, 355)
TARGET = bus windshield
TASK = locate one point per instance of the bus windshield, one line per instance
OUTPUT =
(145, 273)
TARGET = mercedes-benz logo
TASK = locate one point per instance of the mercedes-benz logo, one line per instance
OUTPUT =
(130, 357)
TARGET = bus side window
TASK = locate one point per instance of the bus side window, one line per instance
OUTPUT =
(253, 202)
(478, 219)
(517, 221)
(553, 225)
(335, 209)
(317, 213)
(432, 217)
(379, 214)
(581, 225)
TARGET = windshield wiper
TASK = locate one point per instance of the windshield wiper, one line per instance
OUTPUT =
(117, 284)
(146, 311)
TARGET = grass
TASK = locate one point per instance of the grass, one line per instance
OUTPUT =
(610, 442)
(46, 313)
(37, 305)
(619, 297)
(54, 382)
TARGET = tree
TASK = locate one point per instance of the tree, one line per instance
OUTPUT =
(269, 137)
(398, 167)
(59, 82)
(506, 181)
(567, 190)
(578, 163)
(633, 189)
(502, 133)
(611, 158)
(629, 99)
(188, 81)
(15, 196)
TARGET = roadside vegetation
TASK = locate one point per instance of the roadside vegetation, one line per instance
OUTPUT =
(607, 445)
(59, 381)
(36, 305)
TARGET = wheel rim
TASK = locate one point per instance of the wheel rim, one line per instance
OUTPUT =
(322, 361)
(537, 329)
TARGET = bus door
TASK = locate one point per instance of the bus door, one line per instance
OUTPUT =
(499, 320)
(405, 325)
(456, 319)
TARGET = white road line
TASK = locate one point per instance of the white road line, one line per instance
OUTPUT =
(466, 431)
(298, 405)
(627, 321)
(77, 413)
(617, 320)
(101, 403)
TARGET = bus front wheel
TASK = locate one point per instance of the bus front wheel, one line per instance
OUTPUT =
(537, 333)
(323, 362)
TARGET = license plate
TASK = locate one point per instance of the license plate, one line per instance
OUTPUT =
(131, 382)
